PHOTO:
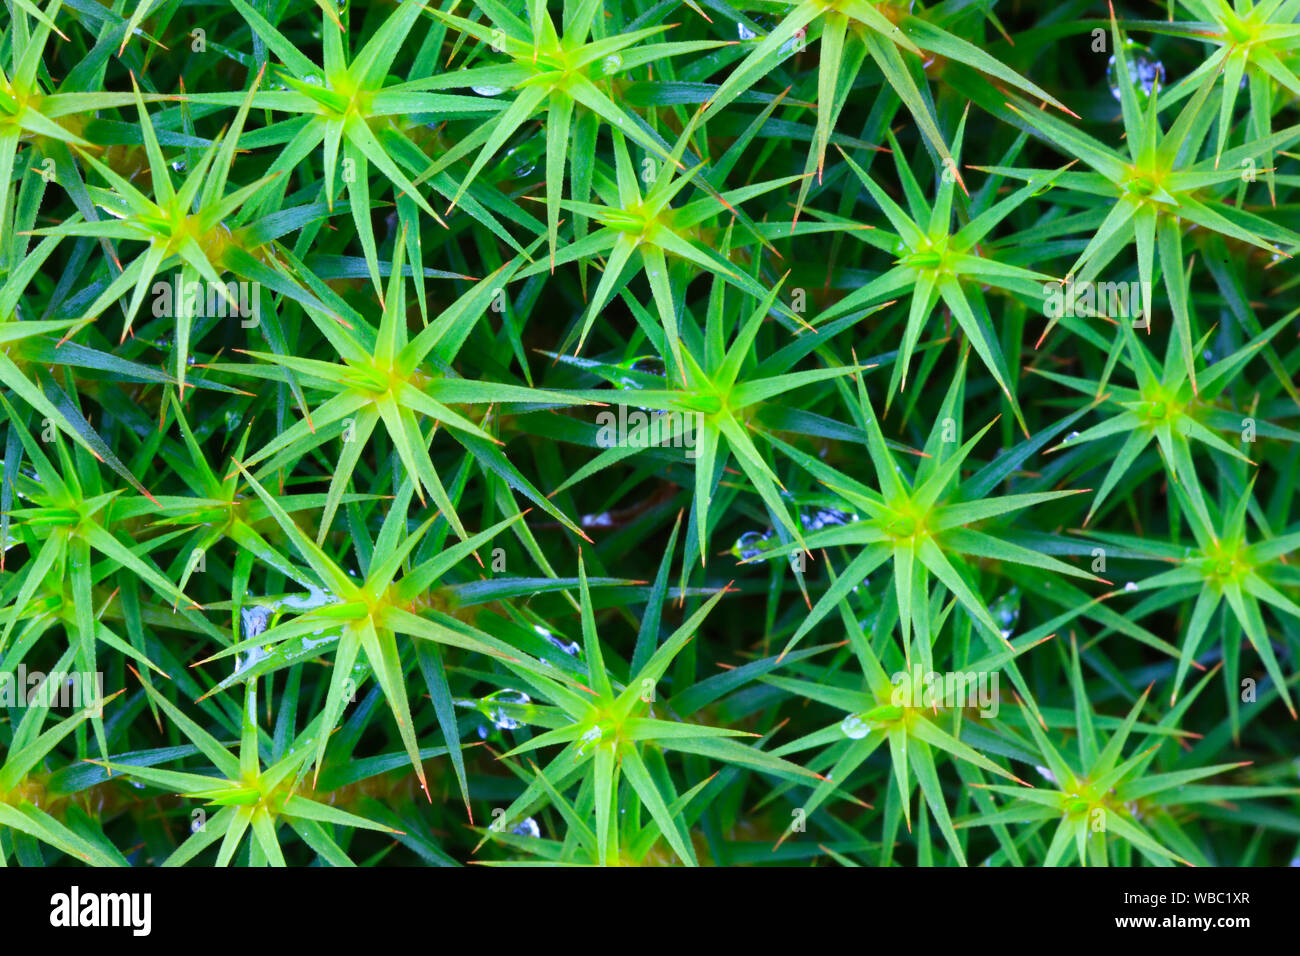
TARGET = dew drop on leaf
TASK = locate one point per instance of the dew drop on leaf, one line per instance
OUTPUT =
(253, 620)
(814, 519)
(854, 727)
(1143, 69)
(571, 648)
(749, 545)
(528, 828)
(497, 715)
(590, 738)
(1006, 612)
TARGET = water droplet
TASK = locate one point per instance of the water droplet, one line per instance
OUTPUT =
(488, 90)
(178, 166)
(749, 545)
(246, 661)
(253, 620)
(524, 162)
(307, 602)
(1072, 436)
(1046, 774)
(1006, 612)
(1144, 70)
(745, 33)
(308, 644)
(814, 519)
(795, 43)
(643, 364)
(572, 648)
(611, 64)
(528, 828)
(602, 520)
(498, 715)
(854, 727)
(649, 364)
(589, 739)
(1131, 586)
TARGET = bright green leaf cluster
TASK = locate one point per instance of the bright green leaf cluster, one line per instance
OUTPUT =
(525, 433)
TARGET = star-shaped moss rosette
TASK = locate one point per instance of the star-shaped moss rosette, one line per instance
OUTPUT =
(22, 794)
(70, 518)
(197, 227)
(343, 104)
(571, 78)
(900, 708)
(367, 615)
(1102, 806)
(247, 795)
(1254, 44)
(712, 412)
(938, 263)
(1164, 409)
(921, 523)
(1225, 569)
(387, 377)
(50, 121)
(1144, 195)
(646, 225)
(888, 34)
(609, 733)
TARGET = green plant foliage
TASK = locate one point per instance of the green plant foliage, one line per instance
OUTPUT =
(643, 432)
